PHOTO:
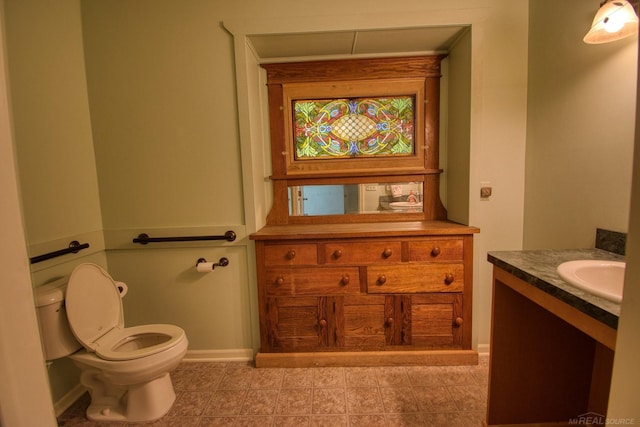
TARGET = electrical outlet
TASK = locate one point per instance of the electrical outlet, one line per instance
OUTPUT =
(485, 190)
(370, 187)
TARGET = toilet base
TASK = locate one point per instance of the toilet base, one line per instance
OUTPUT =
(141, 402)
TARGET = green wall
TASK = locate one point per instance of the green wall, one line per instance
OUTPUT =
(140, 116)
(580, 131)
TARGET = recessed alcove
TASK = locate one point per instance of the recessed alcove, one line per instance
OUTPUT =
(264, 47)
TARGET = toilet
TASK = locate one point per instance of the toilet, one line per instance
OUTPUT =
(126, 370)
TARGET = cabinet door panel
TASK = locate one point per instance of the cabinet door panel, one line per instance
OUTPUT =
(297, 323)
(436, 320)
(415, 278)
(360, 322)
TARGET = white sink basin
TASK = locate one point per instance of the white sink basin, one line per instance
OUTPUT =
(601, 278)
(405, 205)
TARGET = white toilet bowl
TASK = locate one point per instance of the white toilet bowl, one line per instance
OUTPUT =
(136, 389)
(126, 370)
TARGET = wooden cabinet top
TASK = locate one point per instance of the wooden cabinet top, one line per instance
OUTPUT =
(362, 230)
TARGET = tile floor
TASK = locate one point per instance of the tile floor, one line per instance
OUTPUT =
(237, 394)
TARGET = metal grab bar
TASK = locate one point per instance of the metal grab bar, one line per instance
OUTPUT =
(144, 238)
(74, 247)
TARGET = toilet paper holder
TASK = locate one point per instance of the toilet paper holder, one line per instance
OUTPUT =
(223, 262)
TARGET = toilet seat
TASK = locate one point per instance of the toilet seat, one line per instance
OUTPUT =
(95, 314)
(138, 341)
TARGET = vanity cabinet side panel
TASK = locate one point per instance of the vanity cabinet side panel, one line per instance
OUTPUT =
(467, 303)
(276, 128)
(263, 308)
(540, 366)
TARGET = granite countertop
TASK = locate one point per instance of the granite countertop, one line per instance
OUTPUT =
(538, 268)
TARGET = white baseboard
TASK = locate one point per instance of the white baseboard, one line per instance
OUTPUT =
(483, 349)
(230, 355)
(68, 399)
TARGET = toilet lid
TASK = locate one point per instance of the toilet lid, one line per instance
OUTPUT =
(93, 304)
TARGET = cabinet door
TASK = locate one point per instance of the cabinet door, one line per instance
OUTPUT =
(436, 321)
(359, 322)
(297, 323)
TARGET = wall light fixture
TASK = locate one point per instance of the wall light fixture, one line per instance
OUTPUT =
(615, 20)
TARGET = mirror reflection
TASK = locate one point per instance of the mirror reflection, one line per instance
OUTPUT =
(368, 198)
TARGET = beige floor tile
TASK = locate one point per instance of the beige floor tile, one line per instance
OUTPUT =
(225, 403)
(392, 376)
(434, 399)
(190, 403)
(329, 401)
(237, 394)
(328, 420)
(194, 379)
(267, 378)
(259, 402)
(360, 377)
(406, 420)
(363, 400)
(328, 377)
(237, 378)
(217, 422)
(374, 420)
(294, 401)
(261, 421)
(469, 397)
(298, 378)
(291, 421)
(398, 399)
(168, 421)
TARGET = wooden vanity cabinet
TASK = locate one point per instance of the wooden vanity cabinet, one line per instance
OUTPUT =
(364, 284)
(364, 293)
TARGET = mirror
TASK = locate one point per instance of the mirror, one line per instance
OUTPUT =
(341, 199)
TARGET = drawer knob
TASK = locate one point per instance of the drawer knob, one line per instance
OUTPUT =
(291, 254)
(382, 279)
(390, 321)
(337, 253)
(345, 279)
(387, 253)
(458, 322)
(279, 281)
(448, 279)
(435, 251)
(323, 323)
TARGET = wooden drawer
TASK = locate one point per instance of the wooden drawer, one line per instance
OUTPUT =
(362, 252)
(436, 250)
(312, 281)
(413, 278)
(294, 254)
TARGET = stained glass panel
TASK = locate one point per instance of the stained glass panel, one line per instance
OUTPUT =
(354, 127)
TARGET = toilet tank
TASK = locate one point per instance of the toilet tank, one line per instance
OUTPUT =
(57, 338)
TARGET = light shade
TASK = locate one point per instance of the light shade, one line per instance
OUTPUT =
(615, 20)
